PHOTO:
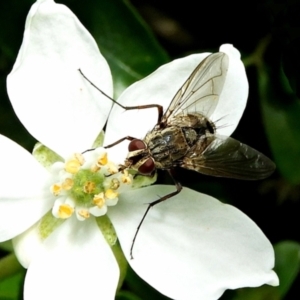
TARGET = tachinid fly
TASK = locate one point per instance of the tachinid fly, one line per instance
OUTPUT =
(184, 136)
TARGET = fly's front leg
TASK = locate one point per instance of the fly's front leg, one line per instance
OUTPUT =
(159, 107)
(129, 138)
(168, 196)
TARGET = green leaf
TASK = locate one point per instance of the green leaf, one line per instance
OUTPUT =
(141, 288)
(11, 288)
(281, 115)
(264, 292)
(124, 295)
(11, 278)
(287, 267)
(7, 246)
(122, 262)
(9, 265)
(12, 14)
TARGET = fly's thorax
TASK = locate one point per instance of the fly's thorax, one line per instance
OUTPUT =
(200, 123)
(166, 146)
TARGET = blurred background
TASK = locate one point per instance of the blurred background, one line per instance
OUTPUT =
(142, 35)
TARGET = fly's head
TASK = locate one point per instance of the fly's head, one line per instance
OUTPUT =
(139, 158)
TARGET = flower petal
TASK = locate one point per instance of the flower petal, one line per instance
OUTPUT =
(24, 193)
(233, 99)
(27, 245)
(76, 263)
(161, 86)
(157, 88)
(51, 98)
(192, 246)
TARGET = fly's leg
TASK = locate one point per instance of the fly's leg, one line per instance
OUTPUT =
(129, 138)
(159, 107)
(168, 196)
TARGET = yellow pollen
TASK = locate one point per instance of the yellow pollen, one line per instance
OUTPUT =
(111, 168)
(65, 211)
(99, 200)
(79, 157)
(84, 213)
(89, 187)
(126, 178)
(95, 168)
(102, 160)
(114, 184)
(72, 166)
(111, 194)
(56, 189)
(67, 184)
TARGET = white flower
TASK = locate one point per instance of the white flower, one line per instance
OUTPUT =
(189, 247)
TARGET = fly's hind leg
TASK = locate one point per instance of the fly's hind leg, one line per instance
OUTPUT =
(168, 196)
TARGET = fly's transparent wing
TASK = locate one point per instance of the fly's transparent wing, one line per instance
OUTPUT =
(226, 157)
(200, 93)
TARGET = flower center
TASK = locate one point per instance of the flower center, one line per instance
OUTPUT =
(87, 184)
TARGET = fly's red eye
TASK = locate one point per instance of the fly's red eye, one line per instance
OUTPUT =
(136, 145)
(147, 167)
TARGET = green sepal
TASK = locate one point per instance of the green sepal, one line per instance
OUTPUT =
(122, 262)
(99, 140)
(48, 224)
(141, 180)
(45, 156)
(107, 229)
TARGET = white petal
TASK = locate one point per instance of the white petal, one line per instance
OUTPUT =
(27, 245)
(76, 263)
(158, 88)
(54, 102)
(233, 99)
(192, 246)
(97, 212)
(24, 194)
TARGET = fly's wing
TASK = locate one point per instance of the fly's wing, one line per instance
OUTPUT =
(200, 93)
(226, 157)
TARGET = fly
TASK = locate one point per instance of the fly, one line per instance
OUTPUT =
(184, 136)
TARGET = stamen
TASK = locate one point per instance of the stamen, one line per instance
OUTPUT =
(67, 184)
(95, 168)
(56, 189)
(98, 200)
(89, 187)
(83, 213)
(114, 184)
(83, 186)
(102, 159)
(72, 166)
(80, 158)
(111, 194)
(125, 177)
(65, 211)
(112, 168)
